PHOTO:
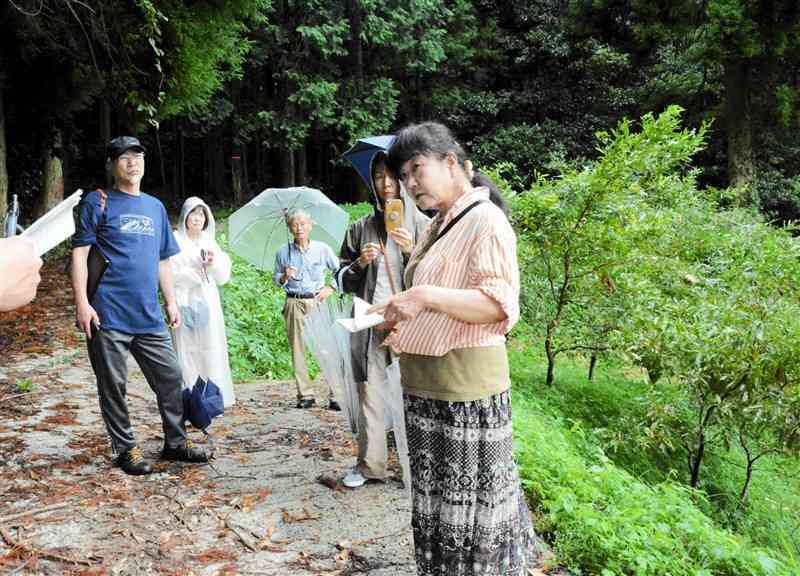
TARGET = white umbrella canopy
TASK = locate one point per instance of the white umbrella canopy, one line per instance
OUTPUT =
(258, 229)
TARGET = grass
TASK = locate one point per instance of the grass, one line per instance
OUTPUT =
(24, 385)
(607, 504)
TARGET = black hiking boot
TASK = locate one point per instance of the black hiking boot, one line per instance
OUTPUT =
(186, 453)
(306, 403)
(133, 463)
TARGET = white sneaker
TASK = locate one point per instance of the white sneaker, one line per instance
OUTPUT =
(354, 479)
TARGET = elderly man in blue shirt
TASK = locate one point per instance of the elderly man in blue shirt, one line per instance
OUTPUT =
(300, 271)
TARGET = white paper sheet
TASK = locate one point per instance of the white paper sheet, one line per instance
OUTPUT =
(361, 320)
(54, 227)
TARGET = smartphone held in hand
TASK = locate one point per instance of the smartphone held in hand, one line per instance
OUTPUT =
(394, 214)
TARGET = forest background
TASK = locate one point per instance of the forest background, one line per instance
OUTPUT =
(647, 149)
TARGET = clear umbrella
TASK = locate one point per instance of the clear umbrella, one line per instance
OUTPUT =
(329, 341)
(330, 344)
(258, 228)
(393, 400)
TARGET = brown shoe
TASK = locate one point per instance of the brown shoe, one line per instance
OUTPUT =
(133, 463)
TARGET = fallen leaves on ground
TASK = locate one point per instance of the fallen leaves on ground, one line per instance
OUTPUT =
(304, 517)
(214, 555)
(45, 323)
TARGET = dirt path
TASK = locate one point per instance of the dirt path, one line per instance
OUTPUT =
(268, 504)
(259, 509)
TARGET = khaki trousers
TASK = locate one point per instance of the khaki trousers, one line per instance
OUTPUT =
(372, 451)
(294, 313)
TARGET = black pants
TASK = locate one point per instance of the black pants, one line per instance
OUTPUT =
(108, 352)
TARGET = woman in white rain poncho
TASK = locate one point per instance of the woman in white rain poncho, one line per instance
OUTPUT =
(198, 269)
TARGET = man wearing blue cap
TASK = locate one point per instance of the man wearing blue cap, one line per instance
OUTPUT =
(133, 232)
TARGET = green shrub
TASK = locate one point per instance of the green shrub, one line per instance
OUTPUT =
(607, 416)
(602, 520)
(253, 308)
(778, 196)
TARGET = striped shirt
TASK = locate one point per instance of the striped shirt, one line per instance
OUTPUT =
(479, 252)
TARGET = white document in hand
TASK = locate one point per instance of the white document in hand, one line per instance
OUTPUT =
(55, 226)
(360, 320)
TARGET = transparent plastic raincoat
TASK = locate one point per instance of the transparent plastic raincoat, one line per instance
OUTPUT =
(200, 341)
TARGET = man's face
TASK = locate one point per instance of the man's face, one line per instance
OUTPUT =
(129, 167)
(300, 227)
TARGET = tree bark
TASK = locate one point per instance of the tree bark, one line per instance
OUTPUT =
(697, 458)
(181, 162)
(738, 119)
(286, 167)
(356, 52)
(52, 178)
(236, 179)
(220, 187)
(245, 174)
(745, 493)
(162, 169)
(300, 166)
(105, 121)
(259, 161)
(3, 156)
(551, 359)
(592, 363)
(176, 175)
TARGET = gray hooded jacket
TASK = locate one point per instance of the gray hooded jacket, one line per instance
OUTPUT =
(360, 281)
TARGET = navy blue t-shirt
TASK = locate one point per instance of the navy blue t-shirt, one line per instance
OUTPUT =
(135, 235)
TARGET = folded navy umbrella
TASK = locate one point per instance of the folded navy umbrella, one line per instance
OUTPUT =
(202, 403)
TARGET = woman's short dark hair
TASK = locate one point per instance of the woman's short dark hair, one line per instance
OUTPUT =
(426, 138)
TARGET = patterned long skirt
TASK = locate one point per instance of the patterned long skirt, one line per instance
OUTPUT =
(469, 513)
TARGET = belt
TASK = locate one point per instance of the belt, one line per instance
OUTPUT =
(301, 295)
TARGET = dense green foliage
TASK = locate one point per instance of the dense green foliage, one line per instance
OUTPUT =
(253, 308)
(604, 519)
(264, 93)
(627, 258)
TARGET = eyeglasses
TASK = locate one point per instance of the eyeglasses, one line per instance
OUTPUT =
(132, 157)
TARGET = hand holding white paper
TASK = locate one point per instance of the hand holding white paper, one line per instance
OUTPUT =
(55, 226)
(361, 320)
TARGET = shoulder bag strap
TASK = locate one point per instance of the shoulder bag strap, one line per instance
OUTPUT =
(456, 219)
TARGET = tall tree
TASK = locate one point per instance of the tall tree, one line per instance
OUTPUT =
(326, 73)
(740, 47)
(130, 64)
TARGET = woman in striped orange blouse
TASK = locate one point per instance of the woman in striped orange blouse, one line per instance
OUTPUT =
(469, 513)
